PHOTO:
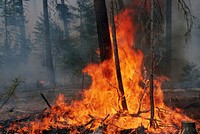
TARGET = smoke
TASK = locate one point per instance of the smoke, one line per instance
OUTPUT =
(178, 42)
(193, 48)
(183, 53)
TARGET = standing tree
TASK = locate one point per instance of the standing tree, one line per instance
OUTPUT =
(103, 30)
(151, 79)
(87, 30)
(19, 8)
(117, 63)
(49, 59)
(64, 15)
(6, 43)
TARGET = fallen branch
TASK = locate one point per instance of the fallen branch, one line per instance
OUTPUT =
(46, 101)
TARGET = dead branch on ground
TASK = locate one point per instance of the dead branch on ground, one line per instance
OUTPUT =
(46, 100)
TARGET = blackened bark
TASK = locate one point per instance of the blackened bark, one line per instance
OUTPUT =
(49, 60)
(152, 67)
(117, 63)
(103, 30)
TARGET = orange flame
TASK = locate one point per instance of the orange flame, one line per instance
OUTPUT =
(101, 102)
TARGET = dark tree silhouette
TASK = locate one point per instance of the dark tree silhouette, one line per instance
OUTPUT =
(49, 60)
(103, 29)
(24, 45)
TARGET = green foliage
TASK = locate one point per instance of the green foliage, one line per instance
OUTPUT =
(87, 29)
(66, 52)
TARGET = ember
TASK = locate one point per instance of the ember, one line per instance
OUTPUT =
(100, 108)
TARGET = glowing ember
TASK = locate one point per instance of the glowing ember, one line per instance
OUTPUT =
(101, 105)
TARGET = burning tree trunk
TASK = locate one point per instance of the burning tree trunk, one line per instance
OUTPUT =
(152, 66)
(49, 60)
(117, 63)
(103, 30)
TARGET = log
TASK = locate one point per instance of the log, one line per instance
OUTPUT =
(46, 101)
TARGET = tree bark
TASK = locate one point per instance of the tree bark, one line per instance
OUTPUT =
(152, 66)
(117, 62)
(49, 60)
(103, 30)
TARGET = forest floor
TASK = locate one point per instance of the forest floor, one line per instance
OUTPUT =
(30, 101)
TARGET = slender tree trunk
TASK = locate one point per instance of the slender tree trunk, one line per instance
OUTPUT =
(6, 44)
(24, 48)
(117, 63)
(49, 60)
(152, 67)
(103, 30)
(64, 15)
(7, 50)
(169, 36)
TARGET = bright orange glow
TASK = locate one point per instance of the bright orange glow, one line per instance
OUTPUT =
(101, 102)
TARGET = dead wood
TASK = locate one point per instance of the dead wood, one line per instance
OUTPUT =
(152, 67)
(26, 118)
(46, 101)
(104, 40)
(117, 62)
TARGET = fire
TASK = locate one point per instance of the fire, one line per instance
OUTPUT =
(100, 104)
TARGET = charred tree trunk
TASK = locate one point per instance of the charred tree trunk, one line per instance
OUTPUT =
(117, 63)
(49, 60)
(169, 36)
(103, 30)
(152, 66)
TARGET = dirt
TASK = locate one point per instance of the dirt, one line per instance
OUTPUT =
(24, 102)
(30, 101)
(186, 99)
